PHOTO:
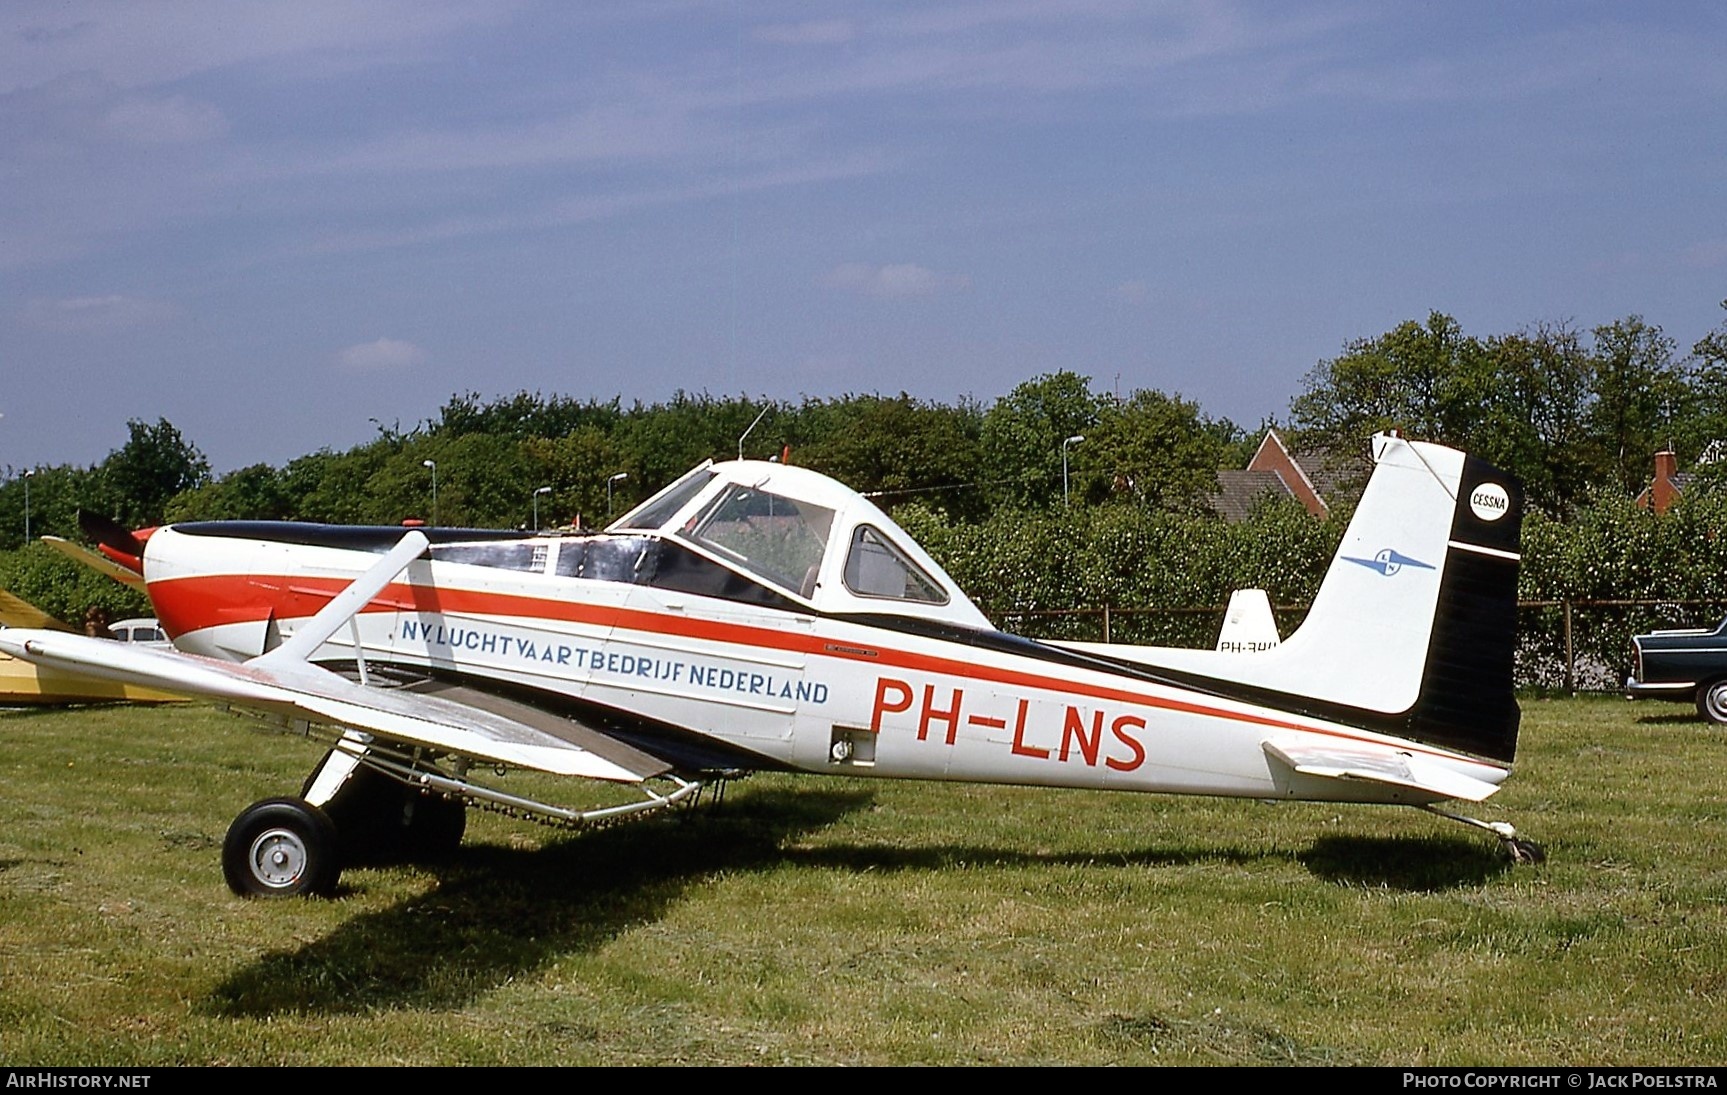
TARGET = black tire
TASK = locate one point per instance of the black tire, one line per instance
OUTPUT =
(1712, 701)
(281, 847)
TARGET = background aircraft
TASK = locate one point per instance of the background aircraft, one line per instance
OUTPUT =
(24, 683)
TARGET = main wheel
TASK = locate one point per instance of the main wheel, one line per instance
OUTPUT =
(281, 847)
(1712, 701)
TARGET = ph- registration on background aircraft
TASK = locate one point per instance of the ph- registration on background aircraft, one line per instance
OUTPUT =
(758, 616)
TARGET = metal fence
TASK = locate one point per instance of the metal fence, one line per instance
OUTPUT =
(1566, 645)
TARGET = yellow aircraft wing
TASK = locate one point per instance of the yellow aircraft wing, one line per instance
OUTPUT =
(17, 612)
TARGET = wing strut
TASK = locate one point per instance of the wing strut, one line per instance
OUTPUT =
(346, 604)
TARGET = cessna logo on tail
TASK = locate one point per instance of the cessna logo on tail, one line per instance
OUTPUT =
(1490, 502)
(1389, 562)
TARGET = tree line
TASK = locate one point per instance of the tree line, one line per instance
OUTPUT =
(1053, 496)
(504, 462)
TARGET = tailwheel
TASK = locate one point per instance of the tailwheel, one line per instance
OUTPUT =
(1525, 851)
(1520, 850)
(281, 847)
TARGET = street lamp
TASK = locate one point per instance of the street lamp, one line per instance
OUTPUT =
(1074, 440)
(27, 476)
(542, 490)
(618, 478)
(433, 464)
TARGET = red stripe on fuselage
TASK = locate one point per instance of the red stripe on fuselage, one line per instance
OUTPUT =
(191, 604)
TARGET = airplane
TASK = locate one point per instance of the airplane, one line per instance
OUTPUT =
(23, 684)
(1248, 623)
(761, 616)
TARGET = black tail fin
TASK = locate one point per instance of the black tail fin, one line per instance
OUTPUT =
(1468, 698)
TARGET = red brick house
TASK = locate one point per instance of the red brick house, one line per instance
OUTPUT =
(1317, 479)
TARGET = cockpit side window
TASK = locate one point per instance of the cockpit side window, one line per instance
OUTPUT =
(875, 568)
(527, 555)
(770, 535)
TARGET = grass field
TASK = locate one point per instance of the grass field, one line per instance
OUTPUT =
(825, 921)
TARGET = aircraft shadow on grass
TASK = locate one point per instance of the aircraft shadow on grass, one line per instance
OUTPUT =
(499, 913)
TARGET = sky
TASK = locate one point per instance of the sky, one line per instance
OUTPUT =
(284, 226)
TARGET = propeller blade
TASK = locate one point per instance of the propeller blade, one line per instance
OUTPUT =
(110, 533)
(99, 563)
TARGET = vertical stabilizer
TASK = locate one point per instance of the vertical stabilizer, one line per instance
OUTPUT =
(1248, 624)
(1413, 631)
(1414, 626)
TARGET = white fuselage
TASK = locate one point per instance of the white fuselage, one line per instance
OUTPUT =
(808, 690)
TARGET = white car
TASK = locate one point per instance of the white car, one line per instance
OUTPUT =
(145, 630)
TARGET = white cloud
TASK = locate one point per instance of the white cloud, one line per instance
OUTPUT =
(385, 353)
(82, 314)
(896, 280)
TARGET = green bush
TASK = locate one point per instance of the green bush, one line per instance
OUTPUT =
(64, 589)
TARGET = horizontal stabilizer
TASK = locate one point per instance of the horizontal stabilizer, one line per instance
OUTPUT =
(1248, 624)
(300, 690)
(1381, 765)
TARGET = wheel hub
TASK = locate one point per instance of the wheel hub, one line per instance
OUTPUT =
(278, 858)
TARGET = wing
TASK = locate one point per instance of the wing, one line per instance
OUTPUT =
(17, 612)
(306, 692)
(284, 684)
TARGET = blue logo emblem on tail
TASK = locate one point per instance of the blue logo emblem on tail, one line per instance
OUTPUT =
(1389, 562)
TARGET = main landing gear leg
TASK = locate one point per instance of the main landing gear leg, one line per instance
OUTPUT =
(381, 820)
(1520, 850)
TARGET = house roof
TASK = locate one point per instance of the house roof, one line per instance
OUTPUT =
(1238, 491)
(1314, 477)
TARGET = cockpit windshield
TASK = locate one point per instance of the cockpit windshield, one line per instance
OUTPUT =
(662, 507)
(768, 534)
(784, 537)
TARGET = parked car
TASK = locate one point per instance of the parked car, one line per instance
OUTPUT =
(1686, 665)
(142, 630)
